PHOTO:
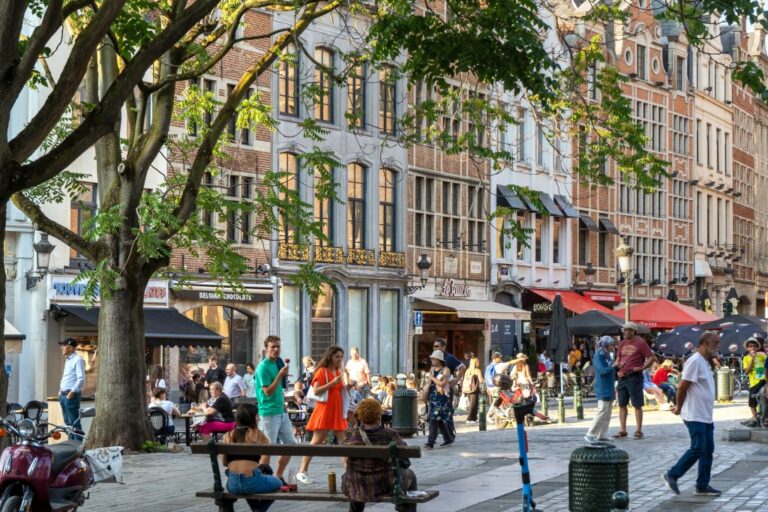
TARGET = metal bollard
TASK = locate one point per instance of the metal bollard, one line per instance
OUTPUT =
(620, 502)
(578, 403)
(560, 408)
(545, 402)
(481, 414)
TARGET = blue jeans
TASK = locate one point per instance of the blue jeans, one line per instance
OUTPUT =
(253, 484)
(701, 450)
(70, 409)
(669, 390)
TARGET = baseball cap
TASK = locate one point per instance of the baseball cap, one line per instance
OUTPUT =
(72, 342)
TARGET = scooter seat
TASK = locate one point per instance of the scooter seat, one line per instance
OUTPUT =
(64, 453)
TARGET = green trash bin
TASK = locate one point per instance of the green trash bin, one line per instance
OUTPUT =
(405, 412)
(595, 473)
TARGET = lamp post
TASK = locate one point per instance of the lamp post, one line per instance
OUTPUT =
(43, 250)
(624, 255)
(424, 264)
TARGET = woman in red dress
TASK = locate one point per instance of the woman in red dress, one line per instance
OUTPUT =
(328, 416)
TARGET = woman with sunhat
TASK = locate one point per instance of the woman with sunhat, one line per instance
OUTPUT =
(522, 383)
(439, 400)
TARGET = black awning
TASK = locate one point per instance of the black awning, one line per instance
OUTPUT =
(162, 326)
(549, 205)
(608, 226)
(508, 198)
(588, 222)
(564, 204)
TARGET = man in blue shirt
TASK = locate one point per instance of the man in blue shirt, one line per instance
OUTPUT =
(457, 370)
(71, 386)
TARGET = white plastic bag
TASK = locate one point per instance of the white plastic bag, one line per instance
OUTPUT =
(463, 404)
(106, 464)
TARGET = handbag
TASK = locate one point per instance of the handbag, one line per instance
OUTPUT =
(319, 398)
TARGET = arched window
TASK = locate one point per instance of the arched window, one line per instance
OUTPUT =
(234, 325)
(356, 96)
(324, 82)
(323, 322)
(356, 206)
(289, 82)
(387, 209)
(387, 96)
(289, 191)
(324, 215)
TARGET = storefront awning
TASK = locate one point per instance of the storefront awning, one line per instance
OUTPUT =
(484, 309)
(508, 198)
(549, 205)
(588, 222)
(608, 226)
(565, 205)
(162, 326)
(701, 269)
(572, 301)
(13, 339)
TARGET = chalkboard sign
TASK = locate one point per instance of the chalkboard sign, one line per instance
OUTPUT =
(504, 337)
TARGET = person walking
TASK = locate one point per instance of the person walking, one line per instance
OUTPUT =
(695, 403)
(71, 386)
(234, 386)
(457, 369)
(357, 368)
(438, 400)
(329, 414)
(605, 380)
(275, 422)
(214, 373)
(490, 373)
(754, 366)
(633, 356)
(250, 380)
(472, 386)
(306, 376)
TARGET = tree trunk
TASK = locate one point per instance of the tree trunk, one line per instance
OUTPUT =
(121, 417)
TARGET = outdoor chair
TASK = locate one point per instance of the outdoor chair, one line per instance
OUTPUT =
(160, 424)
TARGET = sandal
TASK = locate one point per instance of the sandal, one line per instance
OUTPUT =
(638, 435)
(619, 435)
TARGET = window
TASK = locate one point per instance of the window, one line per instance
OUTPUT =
(232, 124)
(680, 135)
(556, 240)
(522, 115)
(709, 147)
(356, 97)
(81, 211)
(206, 87)
(592, 87)
(679, 70)
(625, 195)
(538, 243)
(726, 152)
(324, 84)
(452, 113)
(424, 92)
(698, 142)
(717, 149)
(207, 214)
(584, 243)
(289, 192)
(356, 206)
(323, 321)
(389, 323)
(641, 73)
(710, 213)
(540, 138)
(324, 216)
(653, 125)
(387, 180)
(681, 266)
(680, 199)
(358, 320)
(700, 225)
(288, 77)
(424, 215)
(290, 324)
(451, 215)
(245, 132)
(476, 220)
(387, 97)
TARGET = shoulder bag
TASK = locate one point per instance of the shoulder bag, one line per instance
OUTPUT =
(322, 397)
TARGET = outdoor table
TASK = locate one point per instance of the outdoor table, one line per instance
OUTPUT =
(188, 425)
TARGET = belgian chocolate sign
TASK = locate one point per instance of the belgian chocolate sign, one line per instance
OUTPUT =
(214, 296)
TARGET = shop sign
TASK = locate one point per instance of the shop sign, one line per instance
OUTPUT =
(451, 289)
(542, 307)
(213, 295)
(65, 289)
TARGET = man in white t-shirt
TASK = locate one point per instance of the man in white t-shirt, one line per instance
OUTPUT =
(357, 368)
(695, 402)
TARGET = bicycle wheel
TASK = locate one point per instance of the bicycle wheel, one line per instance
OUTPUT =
(736, 387)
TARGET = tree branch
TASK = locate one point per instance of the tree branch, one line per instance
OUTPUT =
(53, 228)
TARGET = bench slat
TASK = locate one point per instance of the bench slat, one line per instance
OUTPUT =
(245, 451)
(310, 496)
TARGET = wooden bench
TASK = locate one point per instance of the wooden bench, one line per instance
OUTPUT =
(226, 501)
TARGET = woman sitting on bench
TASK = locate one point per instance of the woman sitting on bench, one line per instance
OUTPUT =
(368, 480)
(245, 476)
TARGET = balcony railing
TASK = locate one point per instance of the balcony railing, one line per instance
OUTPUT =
(361, 257)
(293, 252)
(392, 259)
(329, 254)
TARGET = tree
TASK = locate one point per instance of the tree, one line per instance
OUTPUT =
(112, 45)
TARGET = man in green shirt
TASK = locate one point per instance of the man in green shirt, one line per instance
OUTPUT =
(753, 364)
(275, 422)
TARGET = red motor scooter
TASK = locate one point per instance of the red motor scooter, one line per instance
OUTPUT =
(36, 477)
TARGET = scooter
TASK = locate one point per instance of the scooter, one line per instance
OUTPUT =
(36, 477)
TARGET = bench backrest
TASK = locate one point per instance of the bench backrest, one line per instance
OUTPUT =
(242, 451)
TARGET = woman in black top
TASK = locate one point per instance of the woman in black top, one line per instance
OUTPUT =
(218, 413)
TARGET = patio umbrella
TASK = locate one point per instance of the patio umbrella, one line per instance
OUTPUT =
(665, 314)
(559, 336)
(732, 338)
(721, 323)
(672, 295)
(705, 303)
(680, 341)
(597, 323)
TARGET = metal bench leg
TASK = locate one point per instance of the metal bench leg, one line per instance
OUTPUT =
(226, 505)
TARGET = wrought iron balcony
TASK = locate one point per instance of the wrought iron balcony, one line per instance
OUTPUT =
(329, 254)
(361, 257)
(293, 252)
(392, 259)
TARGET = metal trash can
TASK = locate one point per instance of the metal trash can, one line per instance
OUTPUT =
(724, 385)
(595, 472)
(405, 412)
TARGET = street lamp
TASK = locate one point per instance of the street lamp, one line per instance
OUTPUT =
(624, 255)
(43, 250)
(424, 264)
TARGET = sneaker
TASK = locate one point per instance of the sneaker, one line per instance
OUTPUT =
(671, 483)
(304, 478)
(709, 491)
(590, 439)
(746, 421)
(447, 443)
(429, 446)
(750, 424)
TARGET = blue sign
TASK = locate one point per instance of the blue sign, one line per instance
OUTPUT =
(418, 318)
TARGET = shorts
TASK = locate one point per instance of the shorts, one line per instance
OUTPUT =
(630, 389)
(278, 429)
(753, 391)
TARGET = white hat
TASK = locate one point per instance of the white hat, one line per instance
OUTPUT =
(437, 354)
(631, 325)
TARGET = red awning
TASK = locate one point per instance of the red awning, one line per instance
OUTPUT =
(665, 314)
(572, 301)
(603, 296)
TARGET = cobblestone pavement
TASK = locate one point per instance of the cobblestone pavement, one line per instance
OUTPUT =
(480, 472)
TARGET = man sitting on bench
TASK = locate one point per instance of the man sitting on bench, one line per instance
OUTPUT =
(368, 480)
